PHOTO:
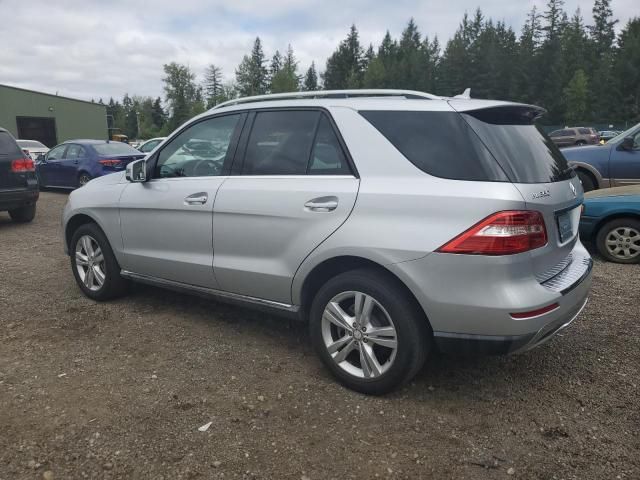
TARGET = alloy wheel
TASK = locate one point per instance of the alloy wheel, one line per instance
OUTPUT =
(84, 179)
(623, 243)
(359, 334)
(90, 263)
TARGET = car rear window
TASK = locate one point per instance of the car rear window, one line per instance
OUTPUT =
(9, 149)
(116, 148)
(439, 143)
(520, 146)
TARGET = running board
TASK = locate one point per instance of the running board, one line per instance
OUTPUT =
(278, 308)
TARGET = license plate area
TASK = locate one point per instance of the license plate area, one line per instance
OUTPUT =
(567, 224)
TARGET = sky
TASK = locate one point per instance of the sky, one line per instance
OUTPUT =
(91, 49)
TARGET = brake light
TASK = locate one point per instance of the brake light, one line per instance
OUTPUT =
(110, 163)
(534, 313)
(503, 233)
(22, 165)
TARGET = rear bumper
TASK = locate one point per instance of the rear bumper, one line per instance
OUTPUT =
(18, 198)
(469, 301)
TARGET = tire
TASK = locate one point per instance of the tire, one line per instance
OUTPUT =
(625, 232)
(581, 143)
(23, 214)
(392, 306)
(587, 181)
(103, 266)
(83, 179)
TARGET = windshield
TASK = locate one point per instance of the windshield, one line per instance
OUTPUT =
(116, 148)
(30, 144)
(626, 133)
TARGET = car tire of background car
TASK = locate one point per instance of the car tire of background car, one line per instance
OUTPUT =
(619, 240)
(24, 214)
(344, 338)
(94, 265)
(83, 179)
(581, 143)
(587, 181)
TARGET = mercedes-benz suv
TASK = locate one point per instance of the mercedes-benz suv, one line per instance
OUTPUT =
(394, 222)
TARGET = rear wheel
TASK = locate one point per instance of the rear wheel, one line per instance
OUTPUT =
(23, 214)
(587, 181)
(368, 331)
(94, 265)
(619, 240)
(580, 143)
(83, 179)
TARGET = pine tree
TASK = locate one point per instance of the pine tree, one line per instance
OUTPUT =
(180, 93)
(576, 98)
(276, 64)
(251, 74)
(345, 67)
(602, 32)
(311, 79)
(286, 78)
(626, 70)
(158, 116)
(213, 85)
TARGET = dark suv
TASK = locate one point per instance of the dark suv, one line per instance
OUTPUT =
(570, 136)
(18, 182)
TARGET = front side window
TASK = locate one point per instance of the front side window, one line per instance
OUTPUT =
(280, 143)
(198, 151)
(56, 153)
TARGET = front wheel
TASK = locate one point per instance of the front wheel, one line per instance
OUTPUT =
(368, 331)
(94, 265)
(619, 240)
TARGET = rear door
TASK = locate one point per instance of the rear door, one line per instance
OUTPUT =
(167, 221)
(292, 186)
(624, 165)
(69, 165)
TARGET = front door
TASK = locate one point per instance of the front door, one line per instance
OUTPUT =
(167, 221)
(624, 165)
(49, 169)
(293, 189)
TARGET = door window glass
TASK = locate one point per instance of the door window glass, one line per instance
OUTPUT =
(199, 151)
(327, 157)
(75, 152)
(56, 153)
(280, 143)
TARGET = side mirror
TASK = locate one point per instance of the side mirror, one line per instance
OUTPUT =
(41, 158)
(627, 143)
(137, 171)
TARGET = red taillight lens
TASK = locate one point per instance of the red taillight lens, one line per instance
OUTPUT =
(535, 313)
(503, 233)
(22, 165)
(110, 163)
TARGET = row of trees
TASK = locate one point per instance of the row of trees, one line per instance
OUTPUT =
(579, 73)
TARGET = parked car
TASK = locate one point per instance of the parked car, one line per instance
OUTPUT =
(614, 164)
(32, 148)
(611, 219)
(18, 184)
(394, 226)
(149, 145)
(606, 135)
(74, 163)
(568, 137)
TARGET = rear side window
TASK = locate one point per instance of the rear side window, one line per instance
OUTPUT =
(327, 156)
(75, 151)
(9, 149)
(280, 143)
(439, 143)
(115, 148)
(585, 131)
(523, 150)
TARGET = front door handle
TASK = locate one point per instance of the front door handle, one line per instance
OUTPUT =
(199, 198)
(322, 204)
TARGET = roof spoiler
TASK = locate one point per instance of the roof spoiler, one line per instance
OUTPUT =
(466, 95)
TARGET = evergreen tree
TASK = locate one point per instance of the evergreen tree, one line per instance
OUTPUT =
(576, 98)
(180, 93)
(213, 85)
(286, 78)
(158, 116)
(602, 32)
(251, 74)
(626, 70)
(345, 67)
(311, 79)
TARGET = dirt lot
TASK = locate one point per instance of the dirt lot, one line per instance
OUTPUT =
(118, 390)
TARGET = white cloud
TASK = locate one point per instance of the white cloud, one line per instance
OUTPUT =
(92, 49)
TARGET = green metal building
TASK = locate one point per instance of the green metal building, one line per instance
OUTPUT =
(50, 119)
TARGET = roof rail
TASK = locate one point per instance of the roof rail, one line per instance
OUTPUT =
(409, 94)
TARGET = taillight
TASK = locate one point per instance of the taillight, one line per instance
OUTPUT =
(503, 233)
(110, 163)
(535, 313)
(22, 165)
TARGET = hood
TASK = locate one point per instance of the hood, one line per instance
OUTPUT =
(585, 149)
(614, 192)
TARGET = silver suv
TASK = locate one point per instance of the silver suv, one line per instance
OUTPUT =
(394, 222)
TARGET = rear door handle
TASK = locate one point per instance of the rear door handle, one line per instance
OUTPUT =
(322, 204)
(199, 198)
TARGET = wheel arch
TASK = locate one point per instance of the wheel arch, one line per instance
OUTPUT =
(614, 216)
(75, 222)
(589, 170)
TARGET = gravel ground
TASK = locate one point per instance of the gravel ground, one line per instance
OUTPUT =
(119, 389)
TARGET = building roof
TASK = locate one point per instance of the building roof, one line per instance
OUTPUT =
(50, 95)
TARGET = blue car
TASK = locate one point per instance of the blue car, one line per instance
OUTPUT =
(75, 162)
(614, 164)
(611, 219)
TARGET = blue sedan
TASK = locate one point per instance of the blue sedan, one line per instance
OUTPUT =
(614, 164)
(611, 219)
(73, 163)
